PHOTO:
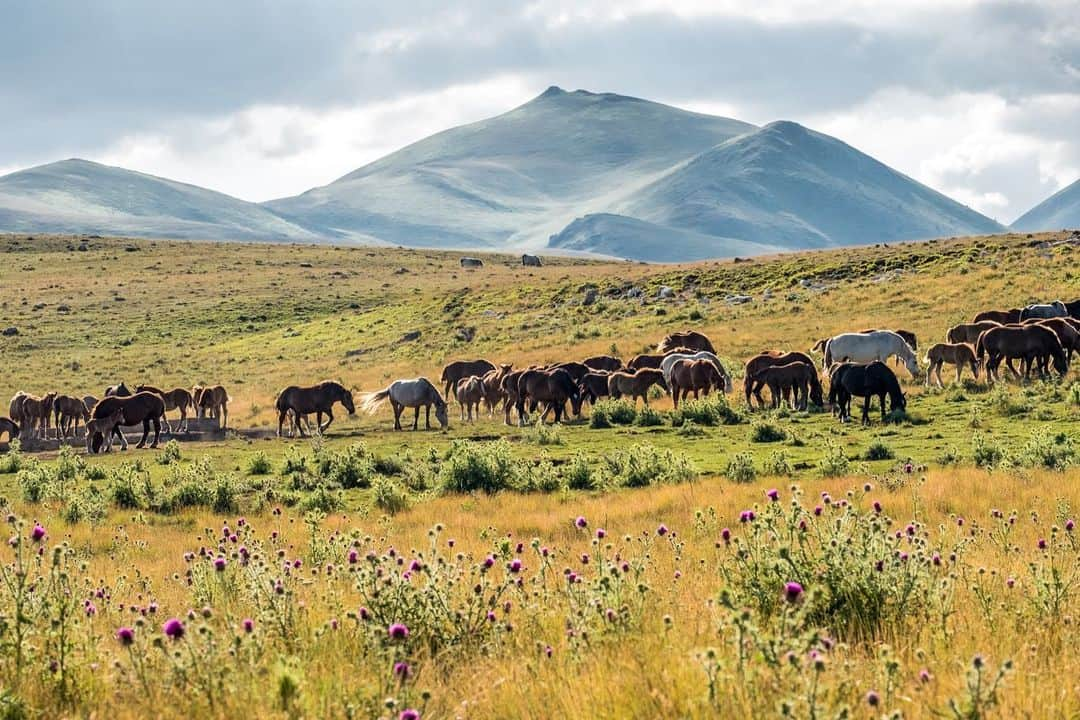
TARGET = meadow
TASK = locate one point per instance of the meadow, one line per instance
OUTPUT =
(632, 563)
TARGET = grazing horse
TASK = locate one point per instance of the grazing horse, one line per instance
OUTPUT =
(752, 385)
(120, 390)
(1065, 330)
(7, 425)
(1044, 310)
(969, 332)
(103, 427)
(36, 413)
(491, 384)
(67, 412)
(213, 401)
(690, 339)
(1029, 343)
(688, 375)
(608, 363)
(668, 362)
(958, 354)
(594, 385)
(175, 399)
(462, 369)
(865, 381)
(15, 409)
(791, 382)
(470, 392)
(868, 347)
(635, 384)
(318, 399)
(145, 407)
(416, 393)
(1074, 309)
(645, 361)
(551, 386)
(1004, 317)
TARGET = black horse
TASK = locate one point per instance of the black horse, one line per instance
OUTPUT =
(120, 390)
(865, 381)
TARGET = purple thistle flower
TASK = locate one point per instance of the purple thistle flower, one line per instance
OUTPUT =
(818, 510)
(584, 558)
(364, 613)
(600, 533)
(581, 522)
(489, 561)
(936, 559)
(877, 507)
(792, 592)
(1042, 543)
(125, 635)
(548, 650)
(1069, 525)
(249, 625)
(219, 563)
(397, 631)
(173, 628)
(910, 530)
(872, 699)
(409, 714)
(515, 565)
(353, 557)
(38, 533)
(773, 494)
(402, 670)
(415, 566)
(925, 676)
(662, 530)
(725, 535)
(1010, 582)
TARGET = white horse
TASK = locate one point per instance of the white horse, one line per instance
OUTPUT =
(669, 361)
(867, 347)
(415, 393)
(1047, 310)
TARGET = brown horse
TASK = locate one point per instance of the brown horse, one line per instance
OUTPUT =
(491, 384)
(119, 390)
(635, 384)
(1064, 329)
(958, 354)
(791, 382)
(752, 385)
(577, 370)
(689, 339)
(67, 411)
(460, 369)
(969, 332)
(213, 401)
(104, 428)
(608, 363)
(15, 409)
(553, 387)
(36, 413)
(509, 387)
(1030, 343)
(146, 408)
(7, 425)
(653, 361)
(175, 399)
(594, 385)
(318, 399)
(470, 392)
(696, 376)
(1004, 317)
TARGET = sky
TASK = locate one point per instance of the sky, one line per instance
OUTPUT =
(979, 100)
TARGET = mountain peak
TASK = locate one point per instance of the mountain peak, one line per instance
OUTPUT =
(553, 91)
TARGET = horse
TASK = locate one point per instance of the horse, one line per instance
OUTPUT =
(1074, 309)
(1029, 343)
(15, 409)
(635, 384)
(594, 385)
(1065, 330)
(175, 399)
(958, 354)
(690, 339)
(415, 393)
(531, 260)
(89, 401)
(36, 412)
(865, 348)
(67, 412)
(669, 361)
(552, 386)
(1044, 310)
(145, 407)
(491, 384)
(7, 425)
(316, 399)
(752, 386)
(470, 391)
(639, 362)
(509, 388)
(462, 369)
(865, 381)
(212, 400)
(693, 375)
(577, 370)
(1004, 317)
(104, 428)
(791, 381)
(609, 363)
(969, 332)
(471, 262)
(120, 390)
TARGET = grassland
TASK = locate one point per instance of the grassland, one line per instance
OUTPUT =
(257, 317)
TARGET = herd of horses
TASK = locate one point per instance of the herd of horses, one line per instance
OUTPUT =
(1039, 337)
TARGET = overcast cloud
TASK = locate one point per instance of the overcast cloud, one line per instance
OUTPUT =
(264, 99)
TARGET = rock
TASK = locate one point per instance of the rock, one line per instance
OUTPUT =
(634, 292)
(354, 353)
(665, 293)
(305, 265)
(63, 308)
(590, 297)
(465, 334)
(806, 282)
(738, 299)
(83, 247)
(410, 336)
(9, 331)
(401, 271)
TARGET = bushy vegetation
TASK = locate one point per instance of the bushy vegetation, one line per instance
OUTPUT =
(710, 411)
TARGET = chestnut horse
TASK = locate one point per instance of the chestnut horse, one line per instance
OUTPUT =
(693, 375)
(175, 399)
(752, 385)
(635, 384)
(790, 381)
(690, 339)
(594, 386)
(553, 387)
(470, 392)
(460, 369)
(608, 363)
(969, 332)
(67, 411)
(1030, 343)
(36, 412)
(212, 400)
(318, 399)
(491, 384)
(145, 407)
(958, 354)
(1005, 317)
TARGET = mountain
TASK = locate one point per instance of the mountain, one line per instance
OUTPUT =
(78, 196)
(512, 179)
(1060, 210)
(785, 185)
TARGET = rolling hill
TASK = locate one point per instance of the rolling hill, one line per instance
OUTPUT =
(1060, 210)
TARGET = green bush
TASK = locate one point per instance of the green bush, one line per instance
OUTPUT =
(485, 467)
(1042, 450)
(835, 462)
(607, 412)
(544, 435)
(766, 432)
(579, 473)
(878, 450)
(12, 461)
(1005, 403)
(389, 495)
(690, 429)
(740, 468)
(711, 411)
(647, 417)
(984, 453)
(129, 487)
(643, 465)
(169, 454)
(259, 464)
(778, 464)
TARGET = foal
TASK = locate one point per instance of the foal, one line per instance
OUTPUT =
(958, 354)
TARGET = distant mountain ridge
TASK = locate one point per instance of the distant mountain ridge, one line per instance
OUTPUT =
(1059, 211)
(573, 171)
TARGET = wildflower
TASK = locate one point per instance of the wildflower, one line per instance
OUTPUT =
(925, 676)
(792, 592)
(125, 635)
(397, 631)
(249, 625)
(584, 558)
(818, 510)
(409, 714)
(725, 535)
(353, 557)
(747, 516)
(960, 522)
(773, 494)
(872, 699)
(936, 559)
(219, 563)
(548, 650)
(415, 566)
(402, 670)
(173, 628)
(515, 565)
(491, 616)
(908, 468)
(662, 530)
(678, 574)
(1042, 543)
(1010, 582)
(977, 661)
(1069, 525)
(600, 533)
(38, 533)
(489, 561)
(364, 613)
(910, 530)
(877, 507)
(581, 522)
(626, 567)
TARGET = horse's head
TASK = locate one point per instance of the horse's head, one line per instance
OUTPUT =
(816, 396)
(347, 401)
(912, 365)
(440, 415)
(1061, 363)
(576, 398)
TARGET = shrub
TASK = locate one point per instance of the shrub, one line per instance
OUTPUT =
(225, 494)
(1005, 403)
(169, 454)
(352, 467)
(690, 429)
(389, 465)
(647, 417)
(712, 410)
(878, 450)
(766, 432)
(12, 461)
(608, 412)
(778, 464)
(579, 473)
(485, 467)
(321, 500)
(1074, 394)
(1053, 453)
(542, 477)
(85, 505)
(643, 465)
(389, 495)
(543, 435)
(984, 453)
(740, 468)
(129, 487)
(259, 464)
(835, 462)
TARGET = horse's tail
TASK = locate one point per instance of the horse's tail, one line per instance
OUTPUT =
(370, 401)
(827, 360)
(980, 348)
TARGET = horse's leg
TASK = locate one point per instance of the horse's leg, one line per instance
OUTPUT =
(866, 410)
(157, 433)
(882, 399)
(959, 372)
(416, 417)
(281, 420)
(145, 432)
(397, 414)
(329, 419)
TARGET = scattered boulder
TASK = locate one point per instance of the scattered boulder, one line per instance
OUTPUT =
(634, 292)
(738, 299)
(410, 336)
(465, 334)
(83, 247)
(590, 297)
(9, 331)
(354, 353)
(665, 293)
(63, 308)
